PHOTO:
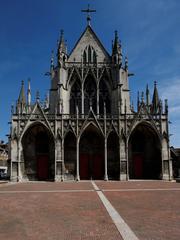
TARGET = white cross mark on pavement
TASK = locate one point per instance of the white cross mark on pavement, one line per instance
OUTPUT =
(123, 228)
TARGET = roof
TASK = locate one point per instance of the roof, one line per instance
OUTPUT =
(175, 151)
(88, 28)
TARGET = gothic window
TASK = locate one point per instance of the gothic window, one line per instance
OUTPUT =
(84, 57)
(104, 97)
(89, 55)
(75, 97)
(94, 57)
(90, 95)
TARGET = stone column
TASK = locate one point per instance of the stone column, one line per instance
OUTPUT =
(97, 100)
(123, 160)
(62, 161)
(82, 99)
(18, 155)
(166, 174)
(77, 160)
(105, 159)
(58, 161)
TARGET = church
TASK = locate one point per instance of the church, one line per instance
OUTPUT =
(87, 127)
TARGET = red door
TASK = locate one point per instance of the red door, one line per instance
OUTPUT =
(138, 166)
(42, 167)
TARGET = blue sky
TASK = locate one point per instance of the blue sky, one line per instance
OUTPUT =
(149, 31)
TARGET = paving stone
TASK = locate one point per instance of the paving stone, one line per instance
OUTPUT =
(152, 215)
(150, 208)
(54, 216)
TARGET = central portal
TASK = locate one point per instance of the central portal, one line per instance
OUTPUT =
(91, 154)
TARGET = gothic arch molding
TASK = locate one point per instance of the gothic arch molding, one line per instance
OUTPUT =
(148, 124)
(28, 126)
(38, 150)
(144, 153)
(89, 124)
(91, 153)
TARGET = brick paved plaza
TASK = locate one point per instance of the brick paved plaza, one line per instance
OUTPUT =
(74, 210)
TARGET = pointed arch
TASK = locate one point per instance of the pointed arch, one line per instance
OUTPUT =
(38, 149)
(91, 149)
(94, 57)
(70, 155)
(89, 54)
(145, 160)
(150, 124)
(84, 57)
(92, 124)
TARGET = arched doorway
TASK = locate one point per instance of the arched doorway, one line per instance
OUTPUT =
(91, 160)
(70, 155)
(38, 151)
(113, 164)
(144, 153)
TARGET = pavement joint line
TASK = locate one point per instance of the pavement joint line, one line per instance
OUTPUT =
(95, 186)
(47, 191)
(140, 189)
(123, 228)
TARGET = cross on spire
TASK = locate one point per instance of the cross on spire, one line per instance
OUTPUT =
(88, 11)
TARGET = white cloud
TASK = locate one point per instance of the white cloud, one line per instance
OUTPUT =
(170, 89)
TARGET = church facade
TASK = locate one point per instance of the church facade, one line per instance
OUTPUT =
(87, 128)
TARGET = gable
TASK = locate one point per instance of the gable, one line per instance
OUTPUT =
(88, 38)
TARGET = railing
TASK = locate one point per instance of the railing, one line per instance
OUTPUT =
(84, 116)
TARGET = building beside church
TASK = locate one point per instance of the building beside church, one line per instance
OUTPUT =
(3, 159)
(87, 128)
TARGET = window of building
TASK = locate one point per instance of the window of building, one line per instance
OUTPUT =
(89, 55)
(75, 97)
(90, 95)
(104, 97)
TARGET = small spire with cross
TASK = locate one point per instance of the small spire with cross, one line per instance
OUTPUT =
(88, 11)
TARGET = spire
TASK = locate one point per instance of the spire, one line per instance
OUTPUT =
(166, 106)
(62, 50)
(62, 45)
(147, 96)
(116, 43)
(12, 109)
(29, 93)
(126, 63)
(155, 100)
(138, 101)
(37, 96)
(22, 98)
(142, 97)
(116, 50)
(46, 102)
(52, 59)
(132, 106)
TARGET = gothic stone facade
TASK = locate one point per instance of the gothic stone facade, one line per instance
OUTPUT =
(87, 128)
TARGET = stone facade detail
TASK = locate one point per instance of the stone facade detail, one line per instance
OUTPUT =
(87, 128)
